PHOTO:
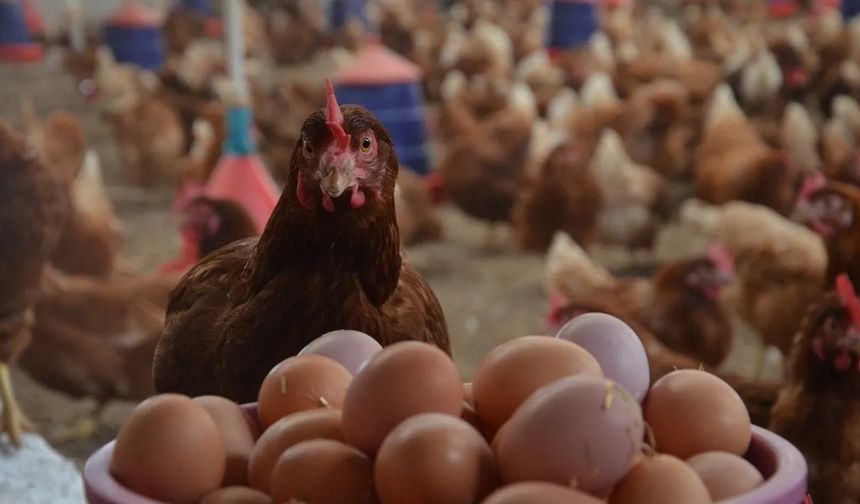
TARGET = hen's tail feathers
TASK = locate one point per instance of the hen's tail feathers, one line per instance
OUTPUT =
(496, 39)
(569, 270)
(598, 90)
(90, 194)
(562, 108)
(723, 106)
(522, 99)
(800, 136)
(847, 109)
(676, 43)
(204, 136)
(537, 62)
(453, 86)
(610, 154)
(544, 140)
(761, 78)
(601, 49)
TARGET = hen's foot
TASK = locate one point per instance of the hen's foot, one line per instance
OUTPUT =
(12, 420)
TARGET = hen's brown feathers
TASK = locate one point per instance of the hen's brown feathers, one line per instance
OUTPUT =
(817, 411)
(255, 302)
(31, 216)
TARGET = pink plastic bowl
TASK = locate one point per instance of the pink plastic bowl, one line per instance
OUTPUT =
(782, 465)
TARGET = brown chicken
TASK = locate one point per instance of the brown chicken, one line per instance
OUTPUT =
(831, 210)
(32, 212)
(90, 240)
(564, 196)
(90, 336)
(735, 163)
(328, 259)
(680, 304)
(182, 27)
(466, 103)
(148, 130)
(817, 409)
(482, 173)
(208, 225)
(295, 34)
(663, 140)
(781, 270)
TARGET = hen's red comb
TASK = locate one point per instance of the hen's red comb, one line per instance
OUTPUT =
(721, 257)
(811, 184)
(845, 290)
(334, 117)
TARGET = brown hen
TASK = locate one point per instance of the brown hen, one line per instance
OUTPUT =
(735, 163)
(680, 304)
(832, 210)
(328, 259)
(817, 409)
(32, 212)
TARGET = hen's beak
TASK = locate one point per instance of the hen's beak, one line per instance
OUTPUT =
(337, 177)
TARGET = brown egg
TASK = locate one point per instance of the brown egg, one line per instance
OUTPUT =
(661, 478)
(286, 432)
(238, 433)
(513, 371)
(725, 475)
(323, 471)
(693, 412)
(402, 380)
(538, 492)
(237, 495)
(428, 449)
(170, 450)
(302, 383)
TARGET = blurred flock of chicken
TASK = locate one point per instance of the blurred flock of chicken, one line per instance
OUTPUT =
(739, 132)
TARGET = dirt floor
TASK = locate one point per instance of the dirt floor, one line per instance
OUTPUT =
(488, 296)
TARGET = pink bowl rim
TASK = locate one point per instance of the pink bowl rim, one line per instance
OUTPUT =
(786, 486)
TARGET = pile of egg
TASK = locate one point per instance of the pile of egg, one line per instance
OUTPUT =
(565, 419)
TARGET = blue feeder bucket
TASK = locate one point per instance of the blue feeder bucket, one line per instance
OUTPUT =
(202, 7)
(572, 23)
(389, 86)
(850, 9)
(134, 36)
(340, 12)
(16, 43)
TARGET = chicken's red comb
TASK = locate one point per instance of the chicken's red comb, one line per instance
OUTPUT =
(845, 290)
(811, 184)
(334, 117)
(721, 257)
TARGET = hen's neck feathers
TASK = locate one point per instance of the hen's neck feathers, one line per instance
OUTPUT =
(336, 248)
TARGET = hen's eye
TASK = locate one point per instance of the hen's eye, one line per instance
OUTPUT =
(365, 145)
(308, 148)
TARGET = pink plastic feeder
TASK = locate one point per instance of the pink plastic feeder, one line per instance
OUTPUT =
(34, 21)
(243, 178)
